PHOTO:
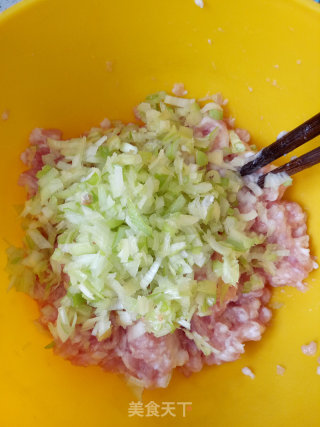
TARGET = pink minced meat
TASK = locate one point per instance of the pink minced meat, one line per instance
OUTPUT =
(152, 359)
(242, 317)
(32, 157)
(288, 222)
(310, 349)
(285, 225)
(207, 125)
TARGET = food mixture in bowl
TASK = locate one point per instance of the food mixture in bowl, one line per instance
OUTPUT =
(145, 248)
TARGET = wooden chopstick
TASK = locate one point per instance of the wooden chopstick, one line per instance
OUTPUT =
(294, 139)
(297, 165)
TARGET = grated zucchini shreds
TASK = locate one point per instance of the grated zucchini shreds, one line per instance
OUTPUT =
(128, 214)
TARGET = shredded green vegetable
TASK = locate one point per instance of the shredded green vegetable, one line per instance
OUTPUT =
(130, 214)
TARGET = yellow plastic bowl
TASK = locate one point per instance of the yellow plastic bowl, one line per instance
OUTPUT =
(54, 73)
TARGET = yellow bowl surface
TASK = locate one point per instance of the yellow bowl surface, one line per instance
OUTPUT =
(54, 73)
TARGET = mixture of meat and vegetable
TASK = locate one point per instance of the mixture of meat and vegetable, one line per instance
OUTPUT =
(145, 248)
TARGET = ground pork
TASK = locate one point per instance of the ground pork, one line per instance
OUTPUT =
(240, 318)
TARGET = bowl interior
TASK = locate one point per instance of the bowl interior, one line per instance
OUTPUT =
(69, 65)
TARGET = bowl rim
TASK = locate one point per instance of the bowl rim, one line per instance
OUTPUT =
(24, 5)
